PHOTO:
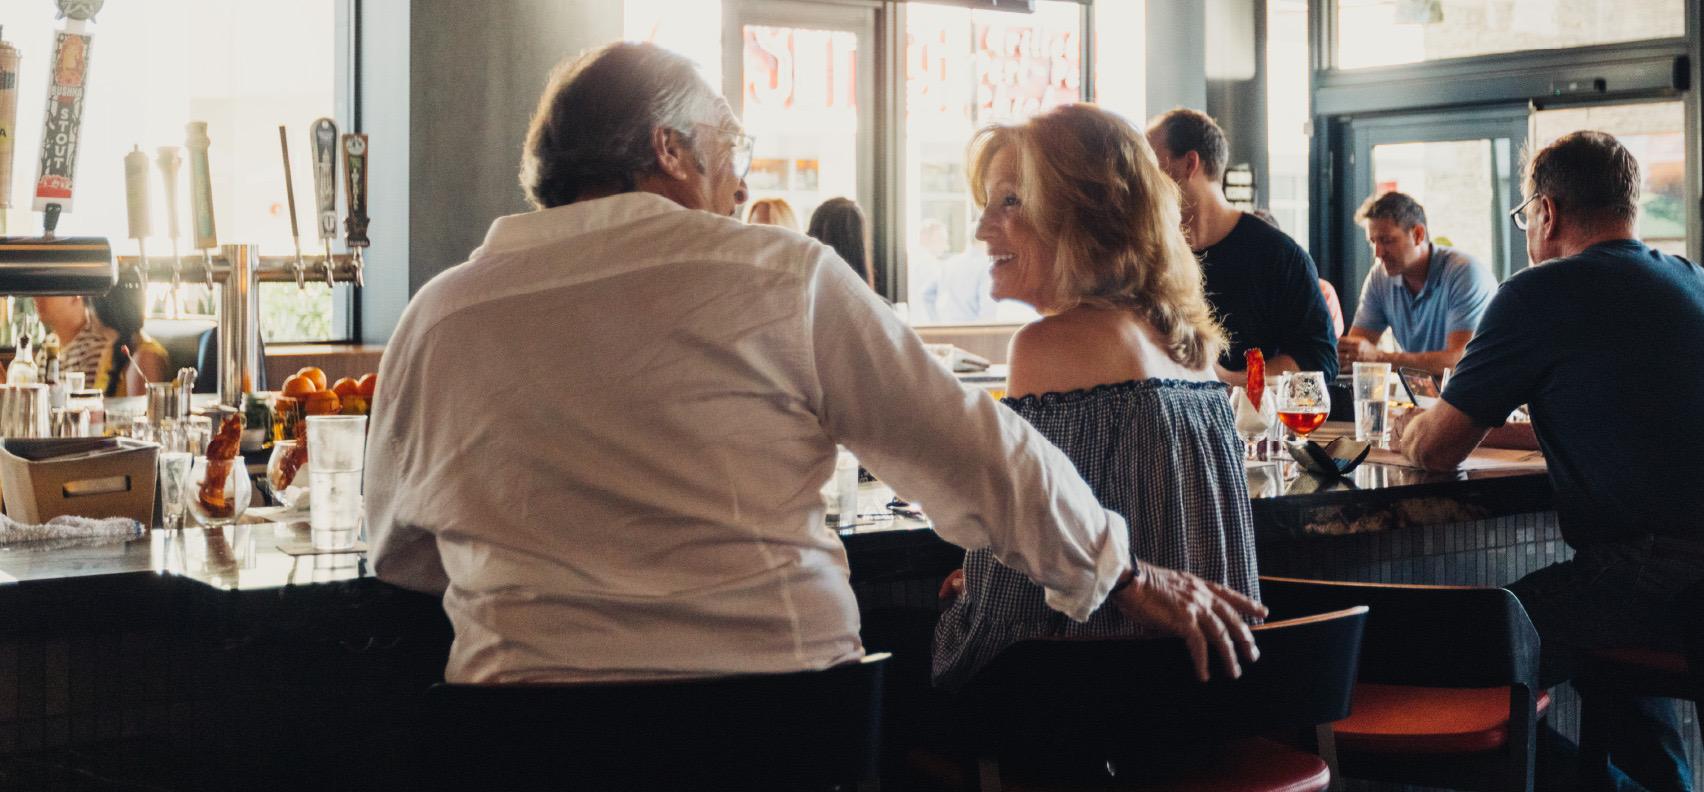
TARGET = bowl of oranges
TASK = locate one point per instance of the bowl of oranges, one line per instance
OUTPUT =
(307, 393)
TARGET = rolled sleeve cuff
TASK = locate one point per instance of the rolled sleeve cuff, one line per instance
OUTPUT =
(1111, 561)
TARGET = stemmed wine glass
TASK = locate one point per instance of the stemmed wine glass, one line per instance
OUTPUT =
(1253, 448)
(1304, 402)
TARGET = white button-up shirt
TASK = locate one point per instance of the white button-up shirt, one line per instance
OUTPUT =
(602, 439)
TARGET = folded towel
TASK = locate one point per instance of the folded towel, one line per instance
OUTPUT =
(69, 527)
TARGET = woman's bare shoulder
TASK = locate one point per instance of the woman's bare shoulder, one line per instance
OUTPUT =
(1074, 350)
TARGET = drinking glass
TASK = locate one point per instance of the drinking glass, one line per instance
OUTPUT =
(174, 475)
(339, 444)
(1372, 405)
(1254, 449)
(218, 490)
(1304, 402)
(287, 471)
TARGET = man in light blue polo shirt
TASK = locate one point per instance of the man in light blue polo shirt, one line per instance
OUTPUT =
(1429, 295)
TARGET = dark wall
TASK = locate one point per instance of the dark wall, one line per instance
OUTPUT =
(1177, 55)
(450, 86)
(477, 72)
(1236, 97)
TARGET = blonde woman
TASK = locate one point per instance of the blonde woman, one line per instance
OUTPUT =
(1082, 224)
(772, 211)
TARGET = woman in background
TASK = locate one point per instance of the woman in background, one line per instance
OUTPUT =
(1082, 224)
(119, 314)
(772, 211)
(840, 224)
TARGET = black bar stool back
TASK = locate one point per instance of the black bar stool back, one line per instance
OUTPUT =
(815, 730)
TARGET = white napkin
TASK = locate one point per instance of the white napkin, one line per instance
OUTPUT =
(68, 527)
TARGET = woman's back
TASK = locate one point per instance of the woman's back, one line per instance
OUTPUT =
(1157, 443)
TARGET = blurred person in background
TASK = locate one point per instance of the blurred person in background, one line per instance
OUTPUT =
(1428, 294)
(1262, 285)
(840, 224)
(773, 211)
(119, 315)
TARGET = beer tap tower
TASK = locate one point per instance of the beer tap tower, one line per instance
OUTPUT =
(240, 269)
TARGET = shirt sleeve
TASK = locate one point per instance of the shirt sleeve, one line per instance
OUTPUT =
(1307, 335)
(403, 552)
(1503, 363)
(1471, 288)
(1370, 312)
(986, 477)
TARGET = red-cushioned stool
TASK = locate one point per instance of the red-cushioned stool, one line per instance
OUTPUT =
(1403, 719)
(1087, 710)
(1448, 694)
(1638, 671)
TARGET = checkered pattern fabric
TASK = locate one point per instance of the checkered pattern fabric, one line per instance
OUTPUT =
(1164, 454)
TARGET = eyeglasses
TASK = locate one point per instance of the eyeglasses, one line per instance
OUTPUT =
(1518, 214)
(742, 145)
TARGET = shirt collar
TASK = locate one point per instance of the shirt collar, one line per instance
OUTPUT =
(1434, 274)
(542, 227)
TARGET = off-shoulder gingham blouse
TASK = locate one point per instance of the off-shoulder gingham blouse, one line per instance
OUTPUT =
(1164, 454)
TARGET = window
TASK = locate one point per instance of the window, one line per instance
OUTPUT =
(1287, 110)
(966, 69)
(799, 92)
(1654, 132)
(1390, 32)
(150, 74)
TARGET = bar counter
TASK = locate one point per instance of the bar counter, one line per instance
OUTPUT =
(202, 644)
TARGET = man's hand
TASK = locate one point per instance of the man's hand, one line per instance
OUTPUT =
(952, 587)
(1200, 612)
(1352, 349)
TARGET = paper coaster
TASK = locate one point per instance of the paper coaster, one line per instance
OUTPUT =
(307, 548)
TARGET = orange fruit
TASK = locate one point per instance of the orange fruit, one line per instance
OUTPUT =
(322, 403)
(315, 374)
(346, 387)
(298, 386)
(354, 404)
(368, 383)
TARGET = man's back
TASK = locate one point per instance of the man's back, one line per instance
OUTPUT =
(1604, 345)
(581, 391)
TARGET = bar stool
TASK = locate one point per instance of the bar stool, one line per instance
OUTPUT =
(1103, 711)
(1641, 672)
(1448, 695)
(812, 730)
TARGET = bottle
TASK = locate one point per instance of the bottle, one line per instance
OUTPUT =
(23, 368)
(56, 390)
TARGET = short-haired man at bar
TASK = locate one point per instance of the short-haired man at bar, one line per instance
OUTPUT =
(1431, 296)
(644, 505)
(1262, 284)
(1601, 337)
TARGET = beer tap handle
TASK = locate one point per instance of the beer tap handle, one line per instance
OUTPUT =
(136, 201)
(355, 190)
(290, 195)
(323, 137)
(200, 186)
(170, 162)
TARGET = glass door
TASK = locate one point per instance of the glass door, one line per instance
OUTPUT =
(1463, 167)
(801, 77)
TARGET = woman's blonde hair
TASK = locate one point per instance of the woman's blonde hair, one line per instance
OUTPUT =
(773, 211)
(1090, 188)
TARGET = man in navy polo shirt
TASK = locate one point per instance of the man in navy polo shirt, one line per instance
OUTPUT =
(1601, 338)
(1430, 295)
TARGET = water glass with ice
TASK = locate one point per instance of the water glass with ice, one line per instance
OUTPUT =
(1372, 407)
(337, 447)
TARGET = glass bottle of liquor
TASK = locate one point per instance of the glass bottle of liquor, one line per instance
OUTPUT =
(22, 371)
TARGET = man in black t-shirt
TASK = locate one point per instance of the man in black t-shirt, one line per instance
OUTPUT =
(1262, 285)
(1601, 338)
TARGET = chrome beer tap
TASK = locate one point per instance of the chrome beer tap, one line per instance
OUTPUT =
(323, 137)
(355, 190)
(290, 194)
